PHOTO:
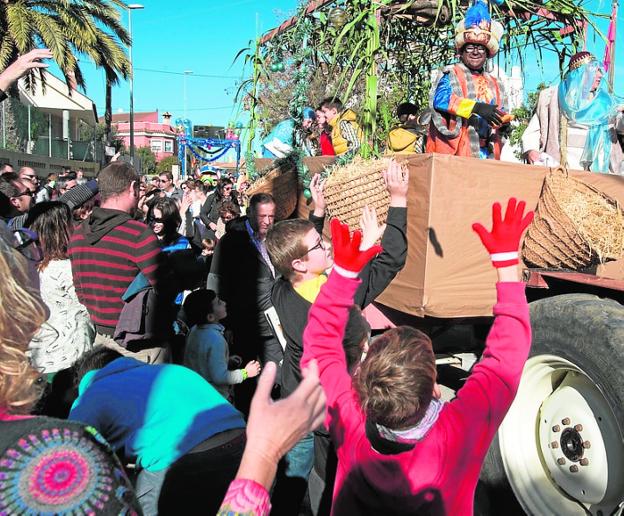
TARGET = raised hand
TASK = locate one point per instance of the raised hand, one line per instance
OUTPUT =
(396, 178)
(349, 260)
(274, 427)
(22, 65)
(371, 230)
(317, 186)
(503, 240)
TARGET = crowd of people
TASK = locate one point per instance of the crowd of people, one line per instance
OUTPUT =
(126, 384)
(169, 347)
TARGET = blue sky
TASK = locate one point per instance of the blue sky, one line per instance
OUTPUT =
(204, 36)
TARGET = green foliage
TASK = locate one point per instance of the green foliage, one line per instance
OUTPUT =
(370, 51)
(165, 164)
(147, 160)
(38, 124)
(68, 28)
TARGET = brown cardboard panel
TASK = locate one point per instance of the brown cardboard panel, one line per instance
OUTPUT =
(458, 279)
(407, 291)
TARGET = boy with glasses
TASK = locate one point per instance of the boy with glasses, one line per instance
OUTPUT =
(302, 257)
(468, 104)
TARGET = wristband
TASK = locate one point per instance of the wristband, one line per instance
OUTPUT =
(245, 374)
(345, 273)
(504, 259)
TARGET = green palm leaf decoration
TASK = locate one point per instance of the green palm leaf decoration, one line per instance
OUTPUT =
(381, 51)
(71, 29)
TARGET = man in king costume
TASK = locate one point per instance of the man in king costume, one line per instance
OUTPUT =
(468, 104)
(577, 122)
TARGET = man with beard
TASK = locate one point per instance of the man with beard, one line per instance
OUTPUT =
(468, 104)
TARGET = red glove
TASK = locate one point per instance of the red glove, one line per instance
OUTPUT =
(503, 241)
(348, 259)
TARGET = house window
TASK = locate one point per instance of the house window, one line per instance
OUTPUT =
(168, 146)
(156, 145)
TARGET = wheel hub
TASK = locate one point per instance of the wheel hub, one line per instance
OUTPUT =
(568, 421)
(554, 442)
(572, 445)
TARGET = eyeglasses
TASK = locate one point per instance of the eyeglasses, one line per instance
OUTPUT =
(30, 178)
(319, 245)
(163, 180)
(479, 49)
(25, 192)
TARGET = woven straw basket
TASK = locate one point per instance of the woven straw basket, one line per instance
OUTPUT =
(282, 185)
(351, 187)
(576, 226)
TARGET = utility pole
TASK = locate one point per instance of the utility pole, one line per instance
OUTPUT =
(130, 8)
(611, 75)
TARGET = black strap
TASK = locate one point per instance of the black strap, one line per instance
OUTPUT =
(384, 446)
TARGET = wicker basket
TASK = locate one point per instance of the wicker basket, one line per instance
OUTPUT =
(576, 226)
(351, 187)
(282, 185)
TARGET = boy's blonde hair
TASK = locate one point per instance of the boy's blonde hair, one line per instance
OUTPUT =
(395, 382)
(284, 242)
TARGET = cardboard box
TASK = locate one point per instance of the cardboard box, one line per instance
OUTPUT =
(448, 272)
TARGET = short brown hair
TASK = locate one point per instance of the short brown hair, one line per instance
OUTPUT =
(229, 207)
(115, 178)
(284, 242)
(395, 381)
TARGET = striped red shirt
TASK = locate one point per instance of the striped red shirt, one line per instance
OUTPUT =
(104, 269)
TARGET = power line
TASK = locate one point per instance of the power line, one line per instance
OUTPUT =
(151, 70)
(181, 109)
(169, 72)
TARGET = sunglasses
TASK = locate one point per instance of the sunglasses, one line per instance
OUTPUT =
(475, 48)
(157, 220)
(30, 178)
(25, 192)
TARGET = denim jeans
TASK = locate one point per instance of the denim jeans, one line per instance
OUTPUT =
(292, 478)
(148, 486)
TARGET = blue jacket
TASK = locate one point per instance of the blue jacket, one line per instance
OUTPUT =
(153, 413)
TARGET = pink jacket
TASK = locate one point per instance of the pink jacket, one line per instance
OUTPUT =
(440, 473)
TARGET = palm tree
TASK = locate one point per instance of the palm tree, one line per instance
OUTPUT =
(70, 29)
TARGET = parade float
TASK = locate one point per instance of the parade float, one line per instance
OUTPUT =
(561, 448)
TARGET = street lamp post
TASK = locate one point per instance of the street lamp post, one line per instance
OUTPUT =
(131, 7)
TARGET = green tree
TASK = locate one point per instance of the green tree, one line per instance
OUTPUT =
(70, 29)
(147, 160)
(523, 115)
(165, 164)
